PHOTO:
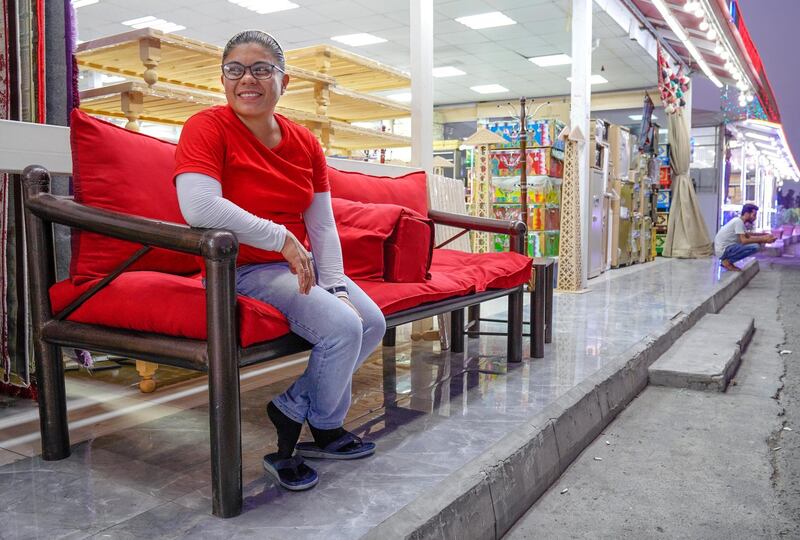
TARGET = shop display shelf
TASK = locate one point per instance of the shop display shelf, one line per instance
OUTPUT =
(350, 70)
(155, 56)
(345, 105)
(173, 77)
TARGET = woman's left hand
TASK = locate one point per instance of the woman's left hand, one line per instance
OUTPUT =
(347, 301)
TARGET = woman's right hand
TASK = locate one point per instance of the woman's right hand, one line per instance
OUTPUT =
(299, 260)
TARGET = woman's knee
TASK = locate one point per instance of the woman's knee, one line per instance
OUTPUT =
(373, 320)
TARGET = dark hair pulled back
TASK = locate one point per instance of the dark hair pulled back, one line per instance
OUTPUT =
(269, 43)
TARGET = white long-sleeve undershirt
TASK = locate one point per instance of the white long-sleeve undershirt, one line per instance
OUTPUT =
(202, 205)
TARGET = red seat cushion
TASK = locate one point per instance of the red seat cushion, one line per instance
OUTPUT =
(120, 170)
(175, 305)
(453, 273)
(164, 304)
(410, 190)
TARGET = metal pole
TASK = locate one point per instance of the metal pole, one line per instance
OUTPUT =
(523, 173)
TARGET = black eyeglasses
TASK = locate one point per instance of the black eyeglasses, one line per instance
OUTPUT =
(260, 70)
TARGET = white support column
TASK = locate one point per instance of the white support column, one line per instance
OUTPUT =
(422, 84)
(580, 111)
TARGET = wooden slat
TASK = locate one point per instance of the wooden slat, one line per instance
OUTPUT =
(350, 70)
(346, 105)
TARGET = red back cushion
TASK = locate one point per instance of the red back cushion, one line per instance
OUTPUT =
(410, 190)
(408, 252)
(120, 170)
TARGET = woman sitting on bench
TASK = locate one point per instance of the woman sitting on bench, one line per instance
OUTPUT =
(244, 168)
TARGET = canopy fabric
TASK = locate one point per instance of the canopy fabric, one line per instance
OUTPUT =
(687, 236)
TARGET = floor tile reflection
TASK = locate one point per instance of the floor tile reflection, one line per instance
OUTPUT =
(430, 413)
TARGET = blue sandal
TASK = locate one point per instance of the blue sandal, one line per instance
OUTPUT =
(348, 446)
(291, 473)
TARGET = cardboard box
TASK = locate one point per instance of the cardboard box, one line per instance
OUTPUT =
(663, 200)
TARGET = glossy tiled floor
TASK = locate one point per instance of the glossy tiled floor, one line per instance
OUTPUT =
(429, 412)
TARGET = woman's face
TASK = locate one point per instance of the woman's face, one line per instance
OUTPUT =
(250, 97)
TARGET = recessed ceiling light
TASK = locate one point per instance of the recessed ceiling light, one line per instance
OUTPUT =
(489, 89)
(638, 117)
(402, 97)
(153, 22)
(81, 3)
(595, 79)
(358, 40)
(551, 60)
(486, 20)
(447, 71)
(261, 7)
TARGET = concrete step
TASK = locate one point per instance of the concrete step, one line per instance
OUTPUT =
(775, 249)
(707, 356)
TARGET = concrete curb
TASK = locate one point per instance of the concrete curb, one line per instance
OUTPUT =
(728, 336)
(489, 494)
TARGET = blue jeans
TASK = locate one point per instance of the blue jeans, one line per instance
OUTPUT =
(737, 252)
(341, 341)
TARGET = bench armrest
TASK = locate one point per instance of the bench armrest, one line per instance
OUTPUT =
(514, 228)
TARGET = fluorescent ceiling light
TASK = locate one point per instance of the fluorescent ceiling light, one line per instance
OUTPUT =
(153, 22)
(261, 7)
(486, 20)
(358, 40)
(489, 89)
(676, 27)
(595, 79)
(638, 117)
(757, 136)
(766, 146)
(447, 71)
(81, 3)
(551, 60)
(110, 79)
(402, 97)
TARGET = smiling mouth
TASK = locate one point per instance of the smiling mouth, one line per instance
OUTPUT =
(249, 94)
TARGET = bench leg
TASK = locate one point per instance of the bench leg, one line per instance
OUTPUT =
(389, 338)
(52, 401)
(474, 319)
(515, 310)
(548, 306)
(457, 331)
(223, 389)
(146, 371)
(537, 307)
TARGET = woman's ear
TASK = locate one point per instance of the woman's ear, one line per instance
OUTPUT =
(284, 83)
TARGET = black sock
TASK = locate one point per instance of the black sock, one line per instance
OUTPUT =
(323, 437)
(288, 431)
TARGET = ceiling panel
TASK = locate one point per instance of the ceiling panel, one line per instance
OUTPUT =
(488, 56)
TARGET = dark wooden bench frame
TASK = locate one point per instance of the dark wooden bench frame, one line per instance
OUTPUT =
(214, 356)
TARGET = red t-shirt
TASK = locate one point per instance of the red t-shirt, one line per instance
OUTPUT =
(273, 183)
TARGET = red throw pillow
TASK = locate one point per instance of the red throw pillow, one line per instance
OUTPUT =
(383, 241)
(409, 250)
(124, 171)
(410, 190)
(363, 230)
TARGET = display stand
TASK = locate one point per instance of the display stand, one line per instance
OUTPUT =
(544, 168)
